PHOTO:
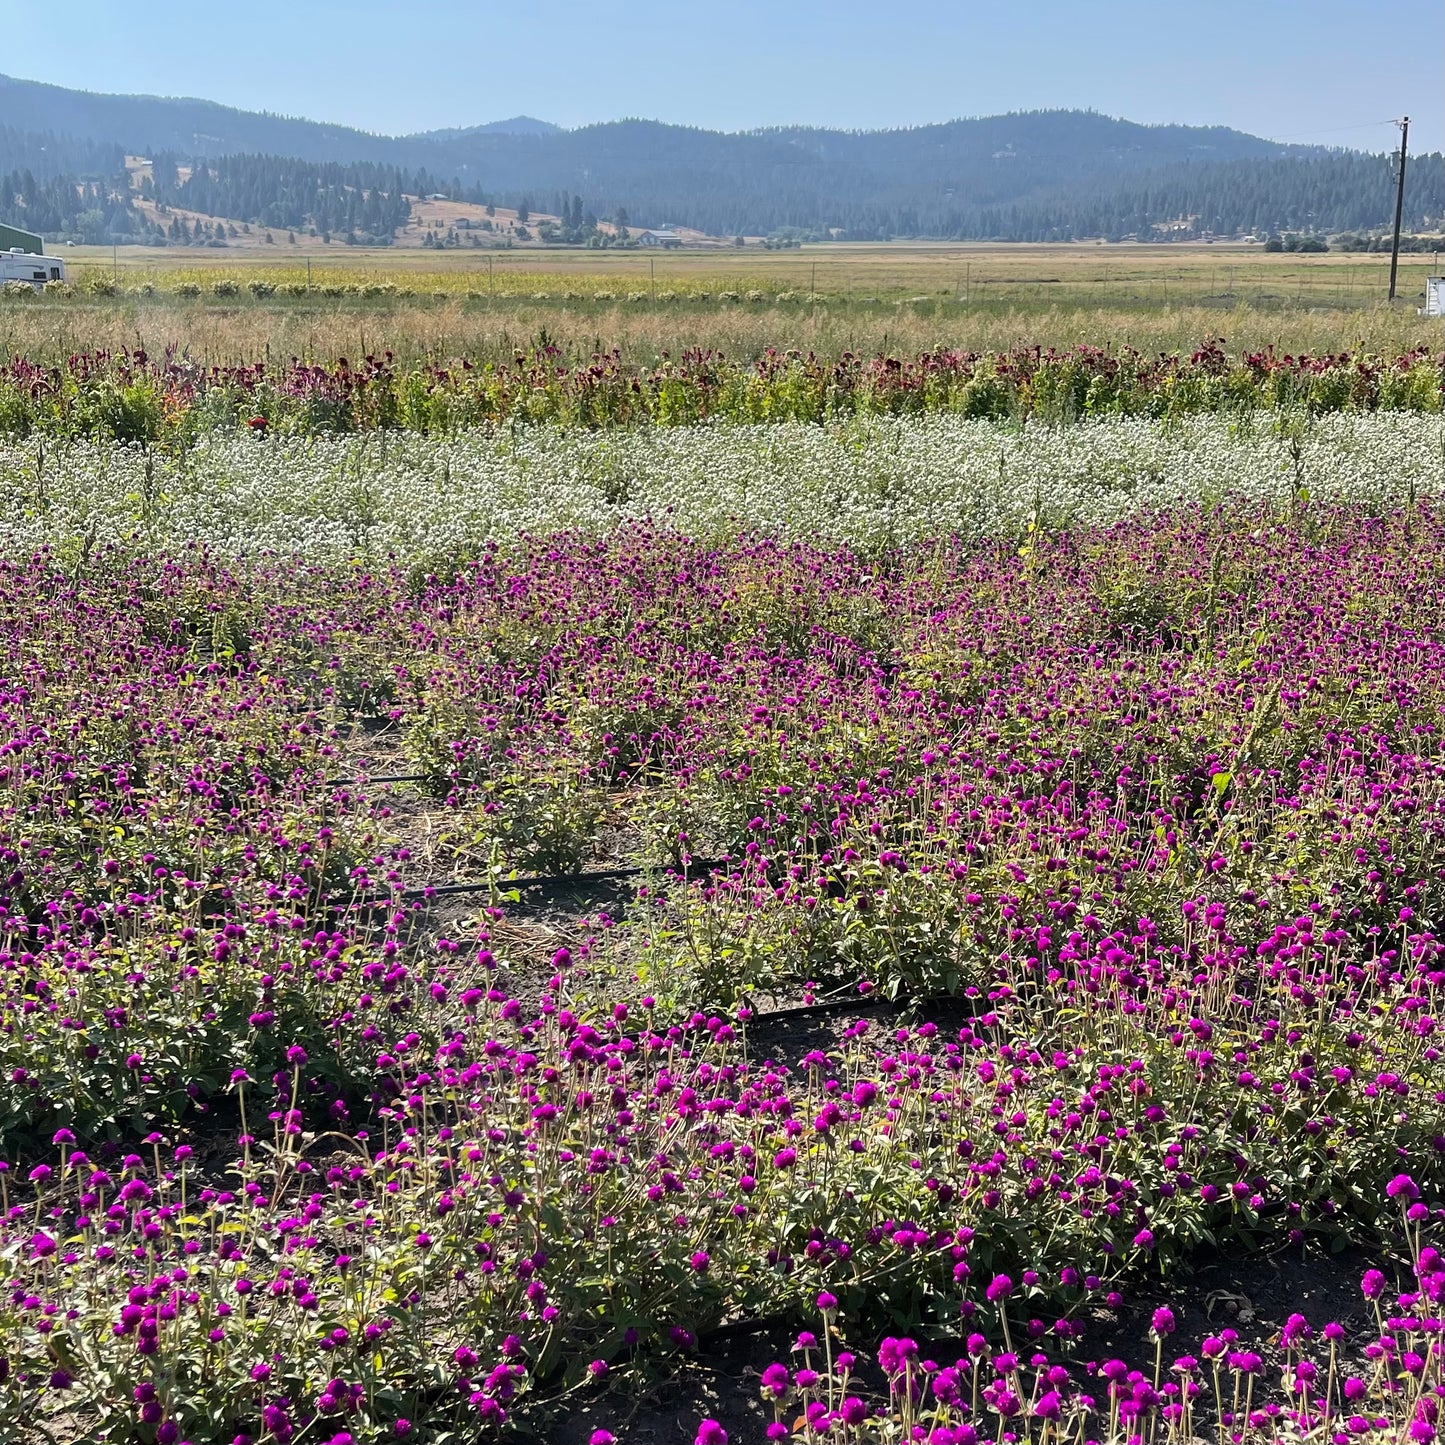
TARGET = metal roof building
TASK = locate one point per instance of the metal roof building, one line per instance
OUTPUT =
(13, 236)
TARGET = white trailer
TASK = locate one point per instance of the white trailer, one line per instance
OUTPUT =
(18, 265)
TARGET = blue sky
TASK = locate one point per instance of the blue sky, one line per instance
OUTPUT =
(1326, 71)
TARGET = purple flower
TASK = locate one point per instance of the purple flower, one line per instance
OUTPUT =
(1049, 1406)
(776, 1381)
(1404, 1188)
(894, 1355)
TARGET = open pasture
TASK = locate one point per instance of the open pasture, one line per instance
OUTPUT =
(826, 299)
(1075, 274)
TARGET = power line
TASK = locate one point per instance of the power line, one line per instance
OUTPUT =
(1335, 130)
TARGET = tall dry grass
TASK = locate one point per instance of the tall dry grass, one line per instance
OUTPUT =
(244, 330)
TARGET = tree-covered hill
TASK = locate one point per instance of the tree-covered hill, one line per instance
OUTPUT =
(1025, 176)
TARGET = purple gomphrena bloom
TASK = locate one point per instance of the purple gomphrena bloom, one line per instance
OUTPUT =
(1163, 1321)
(999, 1288)
(776, 1381)
(1048, 1406)
(709, 1432)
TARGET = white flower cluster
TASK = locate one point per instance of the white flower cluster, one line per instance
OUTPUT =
(873, 482)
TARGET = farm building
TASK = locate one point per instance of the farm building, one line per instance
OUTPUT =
(666, 240)
(13, 238)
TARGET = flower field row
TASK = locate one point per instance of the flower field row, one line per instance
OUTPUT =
(873, 483)
(132, 396)
(1155, 801)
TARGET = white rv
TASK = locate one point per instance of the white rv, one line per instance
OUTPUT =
(18, 265)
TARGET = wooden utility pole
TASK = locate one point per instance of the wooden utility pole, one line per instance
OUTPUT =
(1399, 203)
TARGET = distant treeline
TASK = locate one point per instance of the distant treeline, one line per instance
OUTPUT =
(361, 199)
(47, 155)
(1329, 194)
(66, 208)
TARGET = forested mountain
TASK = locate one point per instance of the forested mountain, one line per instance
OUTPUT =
(45, 155)
(1342, 191)
(1027, 176)
(517, 125)
(145, 123)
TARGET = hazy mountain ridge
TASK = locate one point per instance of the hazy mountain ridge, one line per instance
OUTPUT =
(202, 127)
(1026, 175)
(514, 125)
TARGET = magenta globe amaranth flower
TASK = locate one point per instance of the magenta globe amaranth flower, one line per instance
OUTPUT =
(1403, 1188)
(999, 1288)
(776, 1381)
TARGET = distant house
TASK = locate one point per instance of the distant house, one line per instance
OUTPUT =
(665, 240)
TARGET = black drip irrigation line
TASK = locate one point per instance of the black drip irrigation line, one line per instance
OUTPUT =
(548, 882)
(864, 1004)
(744, 1329)
(379, 778)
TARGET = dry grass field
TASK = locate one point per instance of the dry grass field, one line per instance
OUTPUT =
(900, 297)
(1081, 272)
